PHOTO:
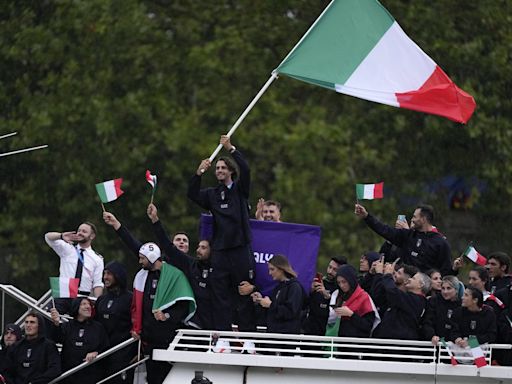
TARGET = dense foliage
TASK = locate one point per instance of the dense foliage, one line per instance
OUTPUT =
(116, 87)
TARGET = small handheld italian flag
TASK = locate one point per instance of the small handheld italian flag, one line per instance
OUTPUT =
(64, 287)
(476, 351)
(370, 191)
(472, 254)
(450, 353)
(151, 179)
(109, 190)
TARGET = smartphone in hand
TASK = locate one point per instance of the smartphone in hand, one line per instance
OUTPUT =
(402, 218)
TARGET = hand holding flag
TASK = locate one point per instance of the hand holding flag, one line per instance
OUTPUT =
(151, 179)
(472, 254)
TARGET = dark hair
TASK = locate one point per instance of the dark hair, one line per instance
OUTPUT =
(431, 271)
(93, 227)
(273, 202)
(341, 260)
(483, 274)
(427, 211)
(230, 163)
(410, 270)
(478, 295)
(502, 258)
(180, 233)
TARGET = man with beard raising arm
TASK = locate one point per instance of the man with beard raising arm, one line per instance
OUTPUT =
(78, 260)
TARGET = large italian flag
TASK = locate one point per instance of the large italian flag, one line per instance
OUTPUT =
(357, 48)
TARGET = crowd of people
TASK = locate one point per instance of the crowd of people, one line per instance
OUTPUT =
(408, 289)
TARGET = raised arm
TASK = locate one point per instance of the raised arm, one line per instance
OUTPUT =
(394, 235)
(131, 242)
(194, 191)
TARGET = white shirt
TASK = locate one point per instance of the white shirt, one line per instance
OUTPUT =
(93, 264)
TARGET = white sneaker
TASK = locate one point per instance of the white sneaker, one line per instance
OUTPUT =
(222, 346)
(249, 347)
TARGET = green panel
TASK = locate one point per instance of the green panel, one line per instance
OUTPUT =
(338, 43)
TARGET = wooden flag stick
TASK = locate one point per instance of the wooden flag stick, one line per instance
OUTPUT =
(53, 303)
(103, 207)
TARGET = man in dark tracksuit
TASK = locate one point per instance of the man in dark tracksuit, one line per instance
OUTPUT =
(113, 312)
(318, 301)
(232, 258)
(82, 339)
(34, 359)
(198, 270)
(419, 246)
(403, 317)
(155, 333)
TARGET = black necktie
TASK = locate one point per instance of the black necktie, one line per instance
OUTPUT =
(80, 264)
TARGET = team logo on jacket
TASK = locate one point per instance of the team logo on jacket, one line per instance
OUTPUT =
(449, 313)
(81, 332)
(29, 352)
(222, 195)
(418, 243)
(205, 273)
(472, 324)
(251, 274)
(154, 283)
(109, 304)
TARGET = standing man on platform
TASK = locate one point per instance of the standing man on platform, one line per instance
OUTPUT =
(79, 260)
(232, 258)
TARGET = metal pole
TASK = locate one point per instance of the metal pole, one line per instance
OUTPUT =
(273, 76)
(23, 150)
(98, 358)
(8, 135)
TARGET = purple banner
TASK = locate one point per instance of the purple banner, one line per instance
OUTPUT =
(298, 242)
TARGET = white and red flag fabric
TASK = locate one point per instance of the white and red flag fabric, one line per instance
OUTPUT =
(109, 190)
(357, 48)
(476, 351)
(64, 287)
(370, 191)
(472, 254)
(151, 179)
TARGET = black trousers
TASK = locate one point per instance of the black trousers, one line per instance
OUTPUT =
(230, 268)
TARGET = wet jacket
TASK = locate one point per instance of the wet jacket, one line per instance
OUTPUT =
(283, 315)
(318, 310)
(198, 274)
(481, 324)
(113, 307)
(402, 318)
(229, 207)
(437, 319)
(425, 250)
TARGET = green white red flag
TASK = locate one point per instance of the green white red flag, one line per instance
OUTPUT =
(370, 191)
(64, 287)
(151, 179)
(109, 190)
(472, 254)
(453, 361)
(358, 49)
(476, 351)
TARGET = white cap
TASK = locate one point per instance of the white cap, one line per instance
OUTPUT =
(151, 251)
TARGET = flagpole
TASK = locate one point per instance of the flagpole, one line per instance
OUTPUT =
(8, 135)
(103, 207)
(273, 76)
(267, 84)
(23, 150)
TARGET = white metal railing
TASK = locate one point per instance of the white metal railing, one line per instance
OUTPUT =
(24, 299)
(189, 344)
(101, 356)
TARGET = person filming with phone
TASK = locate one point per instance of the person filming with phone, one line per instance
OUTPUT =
(318, 301)
(419, 245)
